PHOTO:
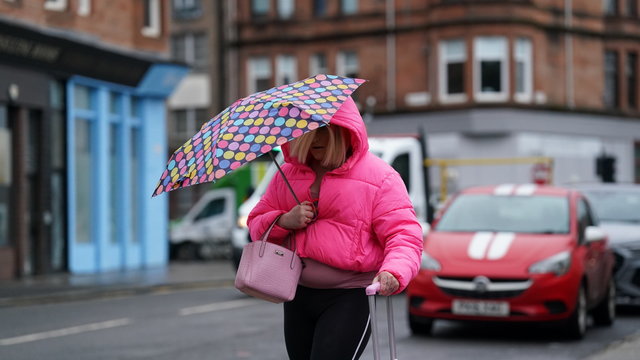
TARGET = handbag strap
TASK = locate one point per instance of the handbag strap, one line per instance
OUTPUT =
(264, 237)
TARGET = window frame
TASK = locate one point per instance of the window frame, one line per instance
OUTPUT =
(84, 7)
(56, 5)
(314, 64)
(349, 7)
(444, 59)
(289, 5)
(343, 68)
(286, 65)
(478, 57)
(253, 75)
(612, 74)
(154, 9)
(527, 58)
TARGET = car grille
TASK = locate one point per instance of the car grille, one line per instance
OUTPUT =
(482, 287)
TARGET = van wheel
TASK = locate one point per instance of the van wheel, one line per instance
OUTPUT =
(576, 326)
(420, 325)
(186, 251)
(605, 313)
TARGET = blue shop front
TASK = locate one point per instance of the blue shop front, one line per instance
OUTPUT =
(83, 144)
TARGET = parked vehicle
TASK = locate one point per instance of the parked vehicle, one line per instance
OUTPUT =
(515, 253)
(203, 232)
(403, 153)
(618, 208)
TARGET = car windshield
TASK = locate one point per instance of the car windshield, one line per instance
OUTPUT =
(619, 205)
(522, 214)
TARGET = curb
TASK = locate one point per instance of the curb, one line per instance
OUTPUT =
(110, 292)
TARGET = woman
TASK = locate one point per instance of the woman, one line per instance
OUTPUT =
(356, 226)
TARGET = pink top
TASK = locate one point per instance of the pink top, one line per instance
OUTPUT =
(321, 276)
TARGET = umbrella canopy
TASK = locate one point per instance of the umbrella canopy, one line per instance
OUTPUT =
(253, 126)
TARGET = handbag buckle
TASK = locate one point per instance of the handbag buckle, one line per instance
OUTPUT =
(279, 252)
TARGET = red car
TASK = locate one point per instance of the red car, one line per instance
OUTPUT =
(515, 253)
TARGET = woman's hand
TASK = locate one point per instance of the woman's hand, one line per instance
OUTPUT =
(388, 283)
(298, 217)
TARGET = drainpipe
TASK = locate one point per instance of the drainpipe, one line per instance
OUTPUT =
(231, 51)
(391, 56)
(568, 14)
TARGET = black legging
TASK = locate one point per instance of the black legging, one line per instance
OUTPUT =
(321, 324)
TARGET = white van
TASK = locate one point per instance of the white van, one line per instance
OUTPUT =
(204, 231)
(403, 153)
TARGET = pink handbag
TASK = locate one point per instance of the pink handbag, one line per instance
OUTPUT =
(268, 271)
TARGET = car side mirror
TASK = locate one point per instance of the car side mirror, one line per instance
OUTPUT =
(594, 233)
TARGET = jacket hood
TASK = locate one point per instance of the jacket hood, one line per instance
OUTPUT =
(348, 117)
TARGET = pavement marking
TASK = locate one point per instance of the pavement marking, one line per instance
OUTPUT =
(218, 306)
(64, 332)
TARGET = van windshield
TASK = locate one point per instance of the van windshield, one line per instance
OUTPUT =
(521, 214)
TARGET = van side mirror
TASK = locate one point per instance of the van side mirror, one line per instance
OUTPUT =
(593, 234)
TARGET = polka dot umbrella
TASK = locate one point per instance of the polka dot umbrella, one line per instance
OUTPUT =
(253, 126)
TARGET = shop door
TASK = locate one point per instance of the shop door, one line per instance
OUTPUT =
(7, 250)
(38, 172)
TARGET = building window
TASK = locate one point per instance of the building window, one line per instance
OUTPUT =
(260, 8)
(453, 57)
(5, 174)
(318, 64)
(522, 54)
(348, 7)
(347, 64)
(152, 19)
(490, 68)
(632, 8)
(55, 5)
(187, 9)
(611, 94)
(84, 7)
(85, 106)
(632, 80)
(286, 69)
(611, 7)
(319, 8)
(637, 163)
(191, 49)
(285, 9)
(181, 124)
(258, 74)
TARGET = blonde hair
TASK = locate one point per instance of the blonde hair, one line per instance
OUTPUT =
(336, 153)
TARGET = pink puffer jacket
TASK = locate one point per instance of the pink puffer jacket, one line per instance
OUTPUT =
(365, 222)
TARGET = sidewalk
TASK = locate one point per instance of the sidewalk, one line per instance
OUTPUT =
(66, 287)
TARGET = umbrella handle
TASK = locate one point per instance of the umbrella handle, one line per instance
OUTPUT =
(284, 177)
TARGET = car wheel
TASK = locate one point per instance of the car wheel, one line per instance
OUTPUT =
(605, 313)
(576, 325)
(420, 325)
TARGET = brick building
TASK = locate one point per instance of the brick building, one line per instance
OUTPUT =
(197, 37)
(83, 85)
(483, 78)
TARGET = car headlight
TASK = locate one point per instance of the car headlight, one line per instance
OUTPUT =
(429, 263)
(242, 222)
(557, 264)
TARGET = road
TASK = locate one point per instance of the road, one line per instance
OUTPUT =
(224, 324)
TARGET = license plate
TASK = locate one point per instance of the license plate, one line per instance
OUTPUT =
(482, 308)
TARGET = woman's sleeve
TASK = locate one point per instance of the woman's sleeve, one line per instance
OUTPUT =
(397, 227)
(268, 209)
